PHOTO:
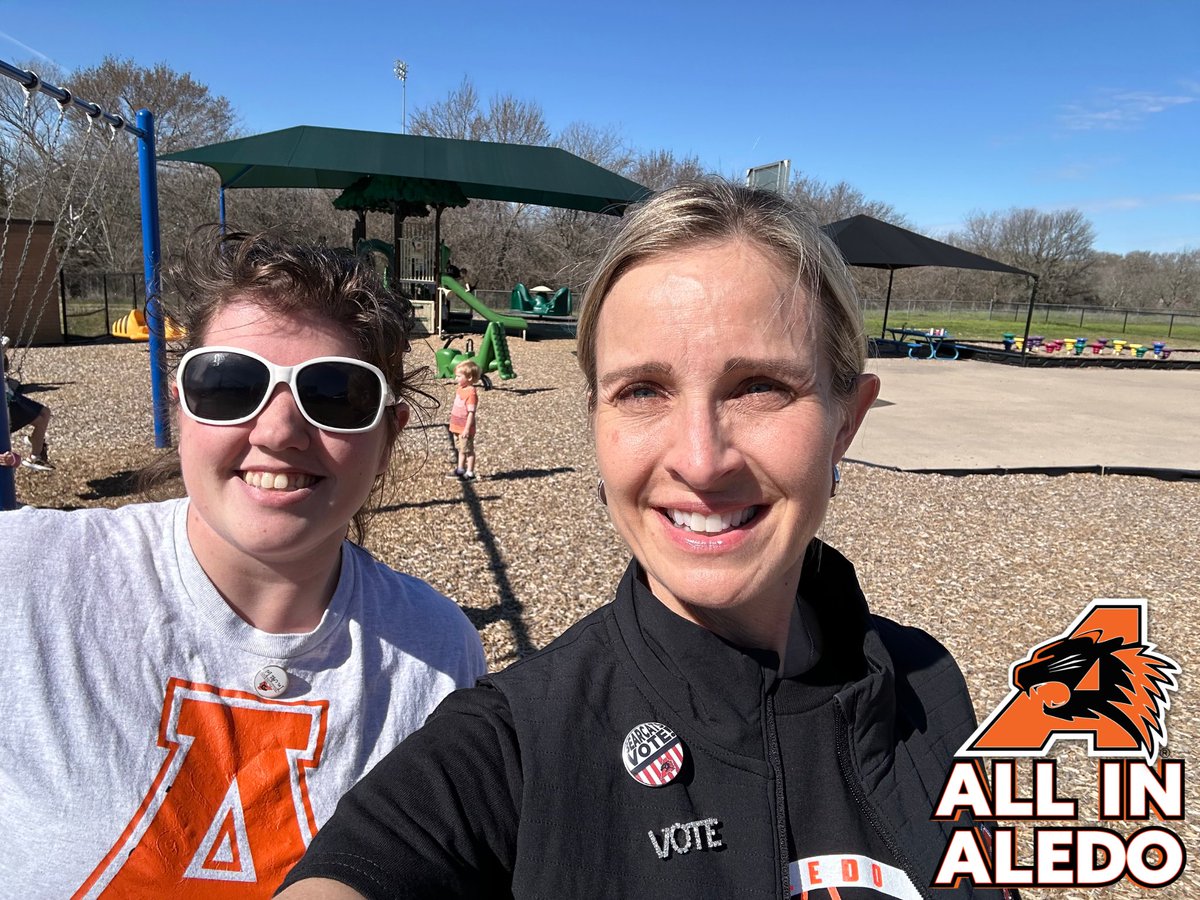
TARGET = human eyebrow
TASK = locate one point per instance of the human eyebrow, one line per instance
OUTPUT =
(637, 372)
(790, 370)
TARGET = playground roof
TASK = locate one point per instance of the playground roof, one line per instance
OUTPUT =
(870, 242)
(311, 157)
(875, 244)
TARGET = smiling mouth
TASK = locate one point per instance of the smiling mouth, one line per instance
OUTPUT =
(713, 523)
(278, 481)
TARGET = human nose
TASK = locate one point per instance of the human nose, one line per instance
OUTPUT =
(702, 447)
(280, 423)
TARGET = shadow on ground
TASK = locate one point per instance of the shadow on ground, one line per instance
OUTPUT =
(119, 484)
(515, 474)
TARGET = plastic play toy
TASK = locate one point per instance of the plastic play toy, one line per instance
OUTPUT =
(133, 327)
(515, 323)
(493, 355)
(541, 302)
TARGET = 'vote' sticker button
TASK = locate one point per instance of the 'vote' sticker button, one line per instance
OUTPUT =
(653, 754)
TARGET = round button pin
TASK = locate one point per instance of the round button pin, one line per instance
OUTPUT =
(270, 682)
(653, 754)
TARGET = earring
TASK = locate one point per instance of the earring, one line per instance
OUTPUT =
(837, 479)
(600, 495)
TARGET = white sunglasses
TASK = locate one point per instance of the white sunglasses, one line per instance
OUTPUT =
(230, 386)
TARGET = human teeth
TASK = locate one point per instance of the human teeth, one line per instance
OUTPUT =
(711, 524)
(269, 481)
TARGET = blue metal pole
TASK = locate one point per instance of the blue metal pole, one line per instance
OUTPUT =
(8, 483)
(152, 254)
(221, 206)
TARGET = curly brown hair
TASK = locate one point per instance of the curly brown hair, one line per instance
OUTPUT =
(285, 277)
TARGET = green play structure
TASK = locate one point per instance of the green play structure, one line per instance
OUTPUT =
(516, 323)
(367, 247)
(493, 355)
(539, 303)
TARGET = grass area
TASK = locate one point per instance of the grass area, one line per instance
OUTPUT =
(969, 326)
(85, 319)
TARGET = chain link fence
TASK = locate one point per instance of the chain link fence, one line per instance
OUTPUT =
(92, 301)
(1096, 317)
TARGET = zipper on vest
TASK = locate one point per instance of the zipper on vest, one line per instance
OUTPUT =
(776, 763)
(842, 743)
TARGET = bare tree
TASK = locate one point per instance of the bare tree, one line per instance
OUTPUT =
(490, 237)
(1056, 246)
(660, 169)
(834, 202)
(458, 116)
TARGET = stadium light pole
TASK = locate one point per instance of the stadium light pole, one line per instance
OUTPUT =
(401, 70)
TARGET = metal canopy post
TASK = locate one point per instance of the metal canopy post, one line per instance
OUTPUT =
(888, 302)
(1029, 319)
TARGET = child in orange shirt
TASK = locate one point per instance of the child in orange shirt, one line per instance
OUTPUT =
(462, 417)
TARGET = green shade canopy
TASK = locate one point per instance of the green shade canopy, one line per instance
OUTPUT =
(310, 157)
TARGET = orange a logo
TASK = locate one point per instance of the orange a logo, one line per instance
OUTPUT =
(228, 813)
(1099, 681)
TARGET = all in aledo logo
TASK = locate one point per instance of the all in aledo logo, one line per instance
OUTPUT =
(1102, 682)
(652, 753)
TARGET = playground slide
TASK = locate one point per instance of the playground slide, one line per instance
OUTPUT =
(514, 322)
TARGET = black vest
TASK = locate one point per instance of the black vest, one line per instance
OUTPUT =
(588, 828)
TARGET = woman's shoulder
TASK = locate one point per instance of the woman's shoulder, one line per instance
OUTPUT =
(403, 603)
(574, 652)
(41, 529)
(911, 648)
(926, 673)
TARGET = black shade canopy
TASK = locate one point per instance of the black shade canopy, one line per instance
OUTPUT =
(875, 244)
(865, 241)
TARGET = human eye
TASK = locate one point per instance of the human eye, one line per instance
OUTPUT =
(764, 388)
(639, 392)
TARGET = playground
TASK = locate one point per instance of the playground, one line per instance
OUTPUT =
(1100, 498)
(527, 550)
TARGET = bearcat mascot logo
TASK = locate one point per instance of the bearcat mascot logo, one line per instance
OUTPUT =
(1100, 681)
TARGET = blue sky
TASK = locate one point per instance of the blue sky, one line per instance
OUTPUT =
(938, 108)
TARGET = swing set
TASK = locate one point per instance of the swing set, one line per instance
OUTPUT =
(35, 246)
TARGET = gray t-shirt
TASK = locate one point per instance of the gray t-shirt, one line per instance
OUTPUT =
(141, 749)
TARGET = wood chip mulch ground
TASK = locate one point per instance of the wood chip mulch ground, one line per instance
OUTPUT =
(991, 565)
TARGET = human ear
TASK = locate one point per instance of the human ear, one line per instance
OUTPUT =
(402, 412)
(863, 395)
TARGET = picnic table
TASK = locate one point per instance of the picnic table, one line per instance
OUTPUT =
(925, 345)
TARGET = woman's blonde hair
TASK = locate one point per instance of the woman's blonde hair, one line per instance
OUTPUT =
(712, 210)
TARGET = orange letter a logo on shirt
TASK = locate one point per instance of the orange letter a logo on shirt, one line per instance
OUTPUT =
(228, 813)
(1101, 680)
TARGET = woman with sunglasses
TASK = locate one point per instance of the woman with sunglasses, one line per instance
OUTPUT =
(190, 685)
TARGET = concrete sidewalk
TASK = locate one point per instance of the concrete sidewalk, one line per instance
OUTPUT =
(943, 415)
